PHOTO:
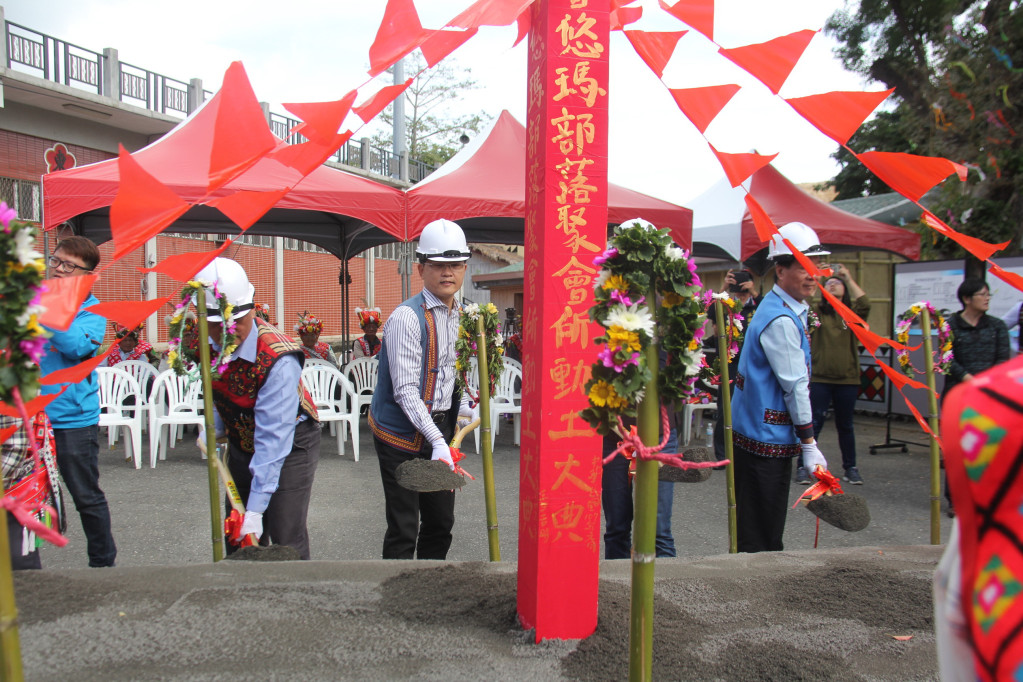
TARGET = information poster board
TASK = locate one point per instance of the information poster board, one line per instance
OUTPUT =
(937, 282)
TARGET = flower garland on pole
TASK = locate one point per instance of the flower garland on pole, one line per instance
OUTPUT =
(479, 336)
(942, 356)
(20, 292)
(182, 359)
(710, 373)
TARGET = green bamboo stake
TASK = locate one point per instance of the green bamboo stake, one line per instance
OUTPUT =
(488, 450)
(10, 645)
(932, 419)
(216, 526)
(644, 532)
(725, 404)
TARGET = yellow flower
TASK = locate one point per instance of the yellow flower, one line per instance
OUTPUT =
(491, 308)
(902, 338)
(177, 318)
(903, 360)
(600, 392)
(615, 282)
(33, 326)
(694, 345)
(947, 347)
(616, 402)
(230, 350)
(671, 299)
(915, 309)
(171, 357)
(616, 336)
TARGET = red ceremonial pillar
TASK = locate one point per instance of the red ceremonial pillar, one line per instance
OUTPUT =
(566, 227)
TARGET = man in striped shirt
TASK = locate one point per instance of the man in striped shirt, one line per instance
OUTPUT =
(416, 404)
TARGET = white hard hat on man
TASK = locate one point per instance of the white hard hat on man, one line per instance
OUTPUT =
(231, 281)
(801, 236)
(442, 241)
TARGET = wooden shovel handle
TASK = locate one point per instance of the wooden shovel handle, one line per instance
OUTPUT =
(456, 442)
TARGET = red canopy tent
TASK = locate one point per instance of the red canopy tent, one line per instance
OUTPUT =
(483, 187)
(339, 211)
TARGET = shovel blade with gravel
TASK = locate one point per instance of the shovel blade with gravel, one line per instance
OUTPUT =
(846, 511)
(675, 474)
(430, 476)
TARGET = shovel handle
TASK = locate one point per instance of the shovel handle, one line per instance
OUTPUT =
(456, 442)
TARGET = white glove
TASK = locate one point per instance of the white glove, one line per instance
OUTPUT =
(813, 457)
(468, 414)
(441, 452)
(252, 523)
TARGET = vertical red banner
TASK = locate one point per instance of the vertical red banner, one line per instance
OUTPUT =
(566, 227)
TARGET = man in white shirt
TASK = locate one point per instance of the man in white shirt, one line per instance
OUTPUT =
(416, 404)
(772, 420)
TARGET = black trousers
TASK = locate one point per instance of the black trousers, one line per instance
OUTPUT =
(78, 461)
(418, 524)
(762, 500)
(284, 521)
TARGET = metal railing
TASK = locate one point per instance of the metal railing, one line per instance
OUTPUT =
(157, 92)
(53, 59)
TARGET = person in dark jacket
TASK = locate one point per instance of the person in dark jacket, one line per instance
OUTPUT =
(979, 341)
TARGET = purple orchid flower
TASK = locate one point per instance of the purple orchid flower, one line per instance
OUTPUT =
(33, 348)
(605, 257)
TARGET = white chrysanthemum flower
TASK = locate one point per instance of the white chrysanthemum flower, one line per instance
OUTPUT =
(634, 318)
(22, 320)
(499, 338)
(721, 296)
(692, 361)
(674, 253)
(24, 241)
(599, 280)
(472, 310)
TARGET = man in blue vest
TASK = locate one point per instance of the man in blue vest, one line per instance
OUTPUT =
(416, 403)
(772, 420)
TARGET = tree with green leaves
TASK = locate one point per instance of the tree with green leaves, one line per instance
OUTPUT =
(433, 126)
(957, 70)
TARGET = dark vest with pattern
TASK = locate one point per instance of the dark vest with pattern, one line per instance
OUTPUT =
(234, 393)
(386, 418)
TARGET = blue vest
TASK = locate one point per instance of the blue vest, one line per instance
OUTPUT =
(761, 423)
(386, 418)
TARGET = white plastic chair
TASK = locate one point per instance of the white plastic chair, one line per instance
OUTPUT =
(174, 401)
(115, 387)
(335, 401)
(362, 373)
(145, 374)
(687, 419)
(506, 399)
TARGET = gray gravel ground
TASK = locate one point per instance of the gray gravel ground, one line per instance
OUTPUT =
(166, 612)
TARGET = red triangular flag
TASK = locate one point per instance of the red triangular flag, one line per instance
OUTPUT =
(524, 21)
(61, 298)
(128, 313)
(143, 207)
(32, 407)
(773, 61)
(400, 32)
(765, 226)
(490, 13)
(698, 14)
(183, 266)
(898, 378)
(1006, 276)
(978, 247)
(908, 174)
(241, 135)
(369, 109)
(442, 43)
(8, 432)
(920, 419)
(622, 16)
(838, 114)
(76, 373)
(323, 119)
(701, 105)
(245, 207)
(655, 48)
(738, 167)
(308, 156)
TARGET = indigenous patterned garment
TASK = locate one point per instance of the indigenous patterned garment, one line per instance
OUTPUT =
(983, 443)
(142, 351)
(322, 351)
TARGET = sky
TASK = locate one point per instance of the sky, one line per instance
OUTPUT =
(317, 50)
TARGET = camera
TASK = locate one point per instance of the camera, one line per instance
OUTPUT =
(741, 278)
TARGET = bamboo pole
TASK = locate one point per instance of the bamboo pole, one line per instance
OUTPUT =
(216, 526)
(644, 533)
(725, 404)
(932, 419)
(10, 644)
(490, 496)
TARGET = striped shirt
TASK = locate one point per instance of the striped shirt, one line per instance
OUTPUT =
(405, 356)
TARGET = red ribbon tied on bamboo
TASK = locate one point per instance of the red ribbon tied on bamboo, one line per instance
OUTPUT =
(456, 457)
(631, 447)
(826, 483)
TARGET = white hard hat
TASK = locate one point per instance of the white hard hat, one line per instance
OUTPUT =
(444, 241)
(801, 236)
(231, 281)
(633, 222)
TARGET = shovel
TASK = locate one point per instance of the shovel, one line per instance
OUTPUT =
(429, 476)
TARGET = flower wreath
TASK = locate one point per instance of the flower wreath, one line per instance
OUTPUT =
(181, 359)
(639, 258)
(466, 346)
(942, 355)
(308, 324)
(20, 294)
(710, 373)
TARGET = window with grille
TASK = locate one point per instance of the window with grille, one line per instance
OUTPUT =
(23, 196)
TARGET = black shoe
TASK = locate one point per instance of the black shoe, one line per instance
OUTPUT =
(950, 512)
(852, 475)
(802, 476)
